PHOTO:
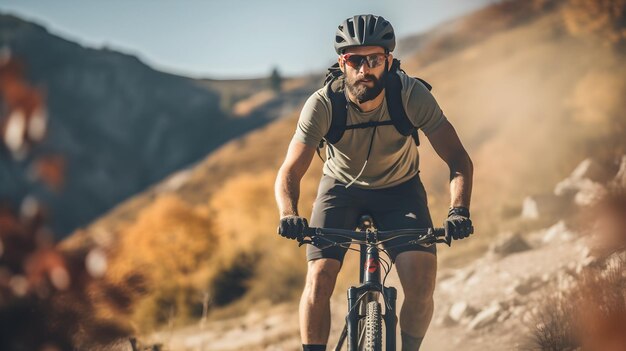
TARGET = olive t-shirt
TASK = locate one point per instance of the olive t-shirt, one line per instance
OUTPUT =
(393, 159)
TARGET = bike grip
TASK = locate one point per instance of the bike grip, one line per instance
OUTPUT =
(308, 231)
(440, 233)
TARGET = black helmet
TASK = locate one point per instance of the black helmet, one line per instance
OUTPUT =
(365, 30)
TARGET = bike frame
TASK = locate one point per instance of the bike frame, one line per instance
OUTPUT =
(371, 287)
(369, 290)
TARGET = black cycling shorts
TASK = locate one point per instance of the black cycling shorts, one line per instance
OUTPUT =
(402, 206)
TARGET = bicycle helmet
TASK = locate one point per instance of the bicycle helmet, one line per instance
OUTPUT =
(365, 30)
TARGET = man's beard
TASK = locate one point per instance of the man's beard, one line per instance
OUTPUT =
(361, 91)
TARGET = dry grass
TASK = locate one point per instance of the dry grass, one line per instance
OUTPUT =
(592, 314)
(602, 18)
(167, 244)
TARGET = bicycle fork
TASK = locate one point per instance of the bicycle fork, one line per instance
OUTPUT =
(368, 291)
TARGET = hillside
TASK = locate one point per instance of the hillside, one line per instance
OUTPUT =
(530, 101)
(119, 124)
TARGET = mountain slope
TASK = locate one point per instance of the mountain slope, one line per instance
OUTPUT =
(119, 124)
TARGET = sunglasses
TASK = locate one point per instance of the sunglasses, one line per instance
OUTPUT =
(373, 60)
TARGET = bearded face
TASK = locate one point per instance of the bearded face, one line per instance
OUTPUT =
(365, 87)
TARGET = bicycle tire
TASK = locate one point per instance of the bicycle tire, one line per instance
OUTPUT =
(373, 327)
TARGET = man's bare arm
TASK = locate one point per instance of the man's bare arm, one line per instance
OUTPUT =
(446, 143)
(287, 187)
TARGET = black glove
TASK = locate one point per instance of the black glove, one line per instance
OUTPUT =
(458, 225)
(292, 227)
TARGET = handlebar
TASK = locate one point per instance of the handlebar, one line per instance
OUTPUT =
(429, 236)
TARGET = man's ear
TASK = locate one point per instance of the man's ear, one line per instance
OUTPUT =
(342, 67)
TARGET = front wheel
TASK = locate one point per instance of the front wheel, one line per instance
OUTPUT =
(373, 327)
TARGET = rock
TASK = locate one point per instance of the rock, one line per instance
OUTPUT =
(526, 286)
(589, 193)
(558, 231)
(509, 243)
(545, 205)
(443, 320)
(584, 184)
(503, 316)
(620, 177)
(586, 263)
(586, 171)
(530, 209)
(570, 269)
(518, 311)
(485, 317)
(473, 280)
(528, 317)
(466, 274)
(585, 251)
(590, 169)
(459, 277)
(461, 310)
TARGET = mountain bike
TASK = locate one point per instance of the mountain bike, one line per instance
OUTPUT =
(364, 321)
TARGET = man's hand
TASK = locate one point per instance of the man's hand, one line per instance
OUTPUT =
(458, 225)
(292, 227)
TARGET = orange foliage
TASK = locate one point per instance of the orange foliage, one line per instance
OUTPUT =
(170, 238)
(247, 217)
(50, 170)
(25, 120)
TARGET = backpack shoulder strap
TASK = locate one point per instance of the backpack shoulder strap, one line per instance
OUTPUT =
(339, 113)
(393, 94)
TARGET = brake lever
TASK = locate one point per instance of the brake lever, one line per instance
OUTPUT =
(446, 241)
(315, 241)
(302, 241)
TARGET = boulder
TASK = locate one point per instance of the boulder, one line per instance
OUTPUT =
(526, 286)
(503, 316)
(558, 232)
(620, 177)
(589, 193)
(486, 317)
(545, 205)
(461, 310)
(587, 171)
(509, 243)
(590, 169)
(584, 185)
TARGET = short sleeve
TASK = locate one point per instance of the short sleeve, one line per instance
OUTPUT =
(422, 108)
(314, 120)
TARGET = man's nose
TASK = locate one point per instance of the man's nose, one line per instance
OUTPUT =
(365, 67)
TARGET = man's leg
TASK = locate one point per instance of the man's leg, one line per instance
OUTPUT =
(417, 271)
(333, 208)
(400, 207)
(315, 301)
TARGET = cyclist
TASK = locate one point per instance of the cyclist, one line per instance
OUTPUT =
(371, 168)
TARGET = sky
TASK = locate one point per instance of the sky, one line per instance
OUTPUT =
(227, 39)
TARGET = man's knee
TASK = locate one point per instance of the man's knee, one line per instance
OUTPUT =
(419, 295)
(321, 278)
(417, 272)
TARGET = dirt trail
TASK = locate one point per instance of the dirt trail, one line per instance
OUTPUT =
(506, 286)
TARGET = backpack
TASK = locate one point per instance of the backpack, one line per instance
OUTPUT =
(334, 83)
